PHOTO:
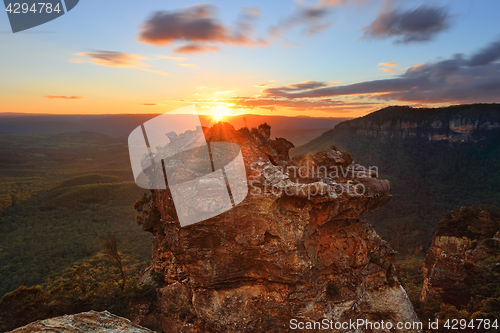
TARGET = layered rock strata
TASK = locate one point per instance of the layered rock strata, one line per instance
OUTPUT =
(295, 248)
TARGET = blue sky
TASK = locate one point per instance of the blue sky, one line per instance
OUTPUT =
(58, 67)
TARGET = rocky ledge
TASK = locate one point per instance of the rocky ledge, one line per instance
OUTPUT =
(89, 322)
(295, 248)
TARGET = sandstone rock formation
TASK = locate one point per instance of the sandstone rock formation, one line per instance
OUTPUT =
(89, 322)
(295, 248)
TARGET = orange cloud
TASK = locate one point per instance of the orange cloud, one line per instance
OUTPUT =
(388, 69)
(62, 97)
(194, 48)
(388, 64)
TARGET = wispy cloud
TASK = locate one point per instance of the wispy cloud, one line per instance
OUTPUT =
(326, 105)
(388, 64)
(415, 25)
(388, 69)
(198, 25)
(195, 48)
(296, 88)
(173, 58)
(114, 59)
(63, 97)
(342, 2)
(187, 65)
(315, 19)
(120, 59)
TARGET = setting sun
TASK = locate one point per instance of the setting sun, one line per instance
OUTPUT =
(219, 112)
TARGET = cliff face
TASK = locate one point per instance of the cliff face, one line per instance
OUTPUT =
(463, 258)
(454, 126)
(459, 123)
(295, 248)
(445, 266)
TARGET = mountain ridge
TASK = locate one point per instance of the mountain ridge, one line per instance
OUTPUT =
(456, 123)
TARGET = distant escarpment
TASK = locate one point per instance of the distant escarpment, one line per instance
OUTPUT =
(437, 160)
(294, 249)
(462, 267)
(459, 123)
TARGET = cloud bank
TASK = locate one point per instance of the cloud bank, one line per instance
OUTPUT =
(458, 79)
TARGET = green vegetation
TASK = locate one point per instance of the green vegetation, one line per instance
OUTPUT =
(476, 223)
(58, 194)
(90, 284)
(409, 272)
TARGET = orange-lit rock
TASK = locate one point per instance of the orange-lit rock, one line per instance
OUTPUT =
(292, 249)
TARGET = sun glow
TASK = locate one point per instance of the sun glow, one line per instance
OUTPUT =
(219, 112)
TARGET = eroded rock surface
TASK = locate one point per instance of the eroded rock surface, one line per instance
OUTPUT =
(89, 322)
(294, 248)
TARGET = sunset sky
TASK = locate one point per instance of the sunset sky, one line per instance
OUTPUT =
(322, 58)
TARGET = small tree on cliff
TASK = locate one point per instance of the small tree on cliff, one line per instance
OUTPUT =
(109, 242)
